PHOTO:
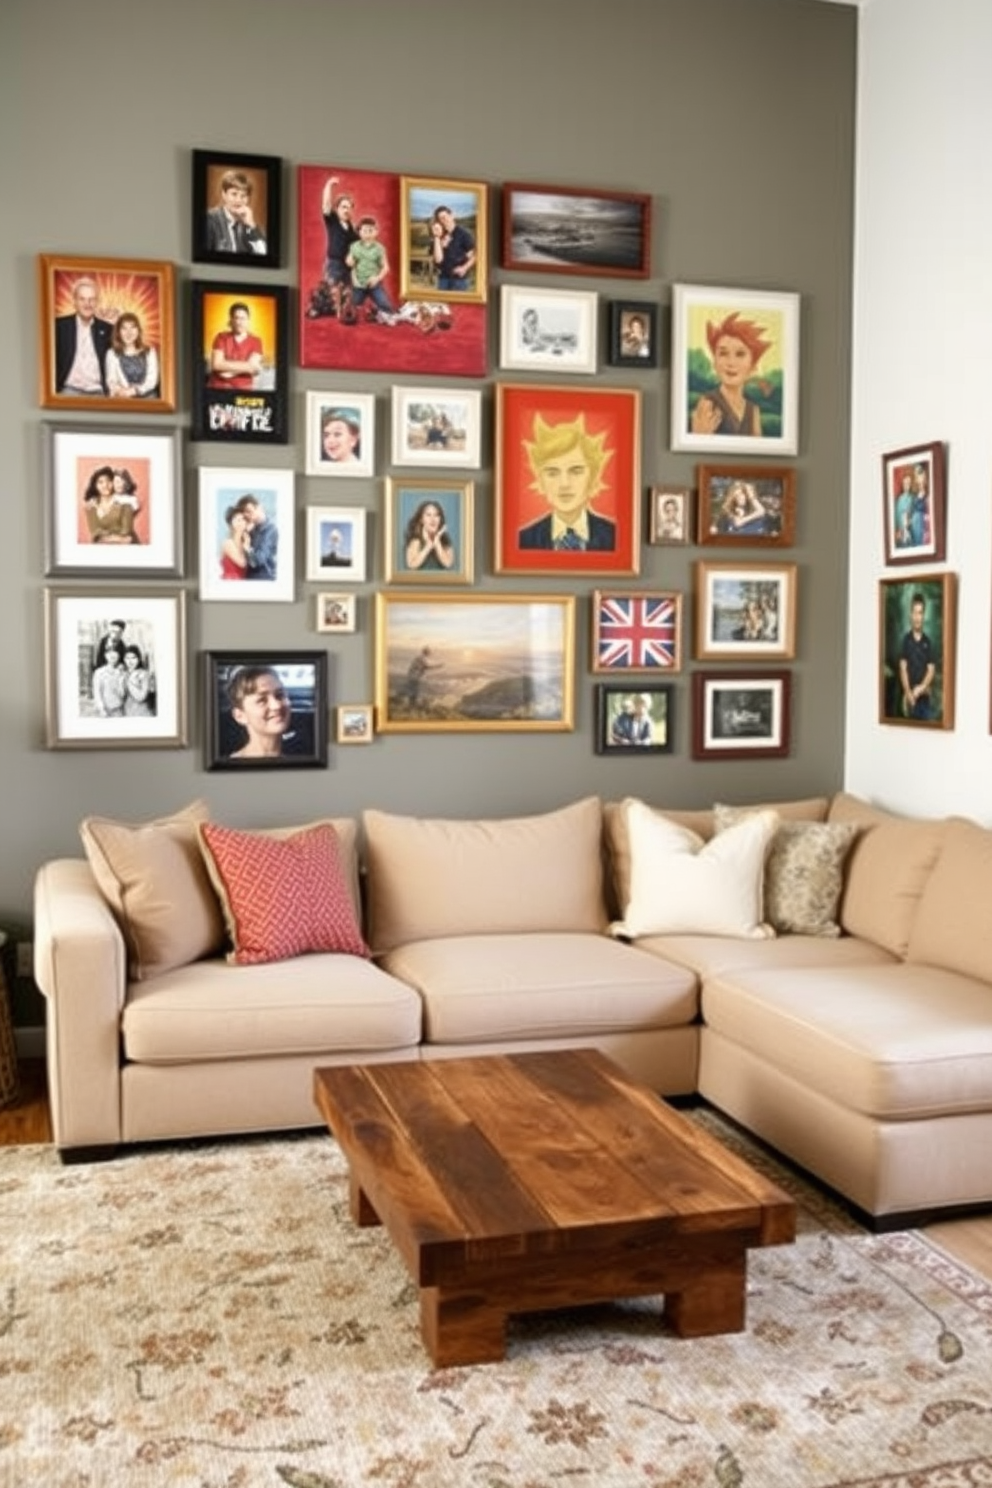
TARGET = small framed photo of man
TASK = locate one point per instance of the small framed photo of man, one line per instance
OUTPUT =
(444, 233)
(634, 722)
(266, 709)
(916, 642)
(236, 209)
(106, 334)
(568, 479)
(429, 531)
(336, 544)
(240, 364)
(633, 334)
(669, 516)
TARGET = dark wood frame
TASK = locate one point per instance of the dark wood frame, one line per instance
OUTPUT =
(895, 466)
(894, 604)
(207, 168)
(770, 483)
(261, 414)
(217, 664)
(607, 692)
(620, 311)
(703, 686)
(519, 196)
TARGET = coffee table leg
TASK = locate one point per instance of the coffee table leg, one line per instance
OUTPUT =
(358, 1203)
(459, 1329)
(713, 1304)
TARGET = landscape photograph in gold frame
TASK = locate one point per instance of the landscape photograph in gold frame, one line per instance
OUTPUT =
(106, 334)
(497, 663)
(444, 236)
(746, 506)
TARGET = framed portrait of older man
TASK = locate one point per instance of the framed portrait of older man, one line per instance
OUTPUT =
(106, 334)
(568, 480)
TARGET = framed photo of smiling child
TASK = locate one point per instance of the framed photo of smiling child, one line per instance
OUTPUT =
(735, 370)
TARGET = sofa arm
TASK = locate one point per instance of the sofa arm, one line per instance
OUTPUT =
(80, 965)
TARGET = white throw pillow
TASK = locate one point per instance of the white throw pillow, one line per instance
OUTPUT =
(682, 885)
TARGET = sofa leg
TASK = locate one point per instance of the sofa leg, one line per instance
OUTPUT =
(102, 1153)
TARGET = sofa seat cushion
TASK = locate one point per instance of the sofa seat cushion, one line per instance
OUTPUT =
(716, 955)
(314, 1004)
(894, 1042)
(487, 987)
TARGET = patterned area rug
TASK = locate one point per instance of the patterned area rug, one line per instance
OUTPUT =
(208, 1316)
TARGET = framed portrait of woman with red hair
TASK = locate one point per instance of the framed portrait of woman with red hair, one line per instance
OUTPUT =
(735, 370)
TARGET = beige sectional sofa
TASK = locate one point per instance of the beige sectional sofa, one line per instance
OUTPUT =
(857, 1040)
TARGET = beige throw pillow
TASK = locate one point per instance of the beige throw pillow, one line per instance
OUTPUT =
(683, 885)
(804, 872)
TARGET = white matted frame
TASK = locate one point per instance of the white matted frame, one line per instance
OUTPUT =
(336, 613)
(745, 611)
(340, 434)
(90, 706)
(552, 330)
(437, 426)
(735, 370)
(113, 502)
(226, 535)
(336, 548)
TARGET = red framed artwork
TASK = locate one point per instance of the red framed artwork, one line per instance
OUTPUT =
(568, 479)
(353, 316)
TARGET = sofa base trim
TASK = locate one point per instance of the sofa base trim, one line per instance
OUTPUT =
(98, 1152)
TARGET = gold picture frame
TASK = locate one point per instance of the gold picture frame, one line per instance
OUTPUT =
(431, 273)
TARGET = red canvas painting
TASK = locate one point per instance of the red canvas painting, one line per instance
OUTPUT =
(361, 328)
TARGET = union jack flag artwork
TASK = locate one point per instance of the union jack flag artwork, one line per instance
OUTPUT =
(636, 632)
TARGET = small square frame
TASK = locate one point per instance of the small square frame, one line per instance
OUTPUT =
(669, 516)
(636, 631)
(336, 613)
(634, 720)
(437, 426)
(304, 676)
(914, 504)
(898, 702)
(348, 419)
(354, 723)
(633, 334)
(741, 506)
(416, 554)
(547, 330)
(220, 490)
(246, 407)
(745, 611)
(211, 235)
(741, 715)
(341, 558)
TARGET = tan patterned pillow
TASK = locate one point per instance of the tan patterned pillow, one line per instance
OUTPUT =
(804, 872)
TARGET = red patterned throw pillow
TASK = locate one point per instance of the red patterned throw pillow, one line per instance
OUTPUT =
(281, 896)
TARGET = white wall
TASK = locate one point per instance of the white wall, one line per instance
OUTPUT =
(922, 371)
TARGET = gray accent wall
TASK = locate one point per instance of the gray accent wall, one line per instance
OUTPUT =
(738, 119)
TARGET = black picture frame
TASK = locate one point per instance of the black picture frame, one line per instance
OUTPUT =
(241, 408)
(616, 704)
(211, 228)
(303, 676)
(624, 317)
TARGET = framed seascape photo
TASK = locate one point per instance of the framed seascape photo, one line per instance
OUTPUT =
(741, 715)
(633, 333)
(735, 370)
(745, 610)
(265, 709)
(336, 613)
(247, 534)
(444, 234)
(336, 544)
(355, 723)
(340, 434)
(917, 635)
(113, 502)
(566, 230)
(115, 669)
(669, 516)
(634, 723)
(550, 330)
(240, 363)
(235, 213)
(636, 632)
(740, 506)
(429, 531)
(499, 663)
(357, 310)
(107, 334)
(437, 426)
(914, 504)
(568, 479)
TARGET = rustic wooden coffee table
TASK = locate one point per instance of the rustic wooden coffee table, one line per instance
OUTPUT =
(516, 1183)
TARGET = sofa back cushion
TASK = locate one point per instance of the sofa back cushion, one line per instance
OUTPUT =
(953, 925)
(430, 877)
(887, 870)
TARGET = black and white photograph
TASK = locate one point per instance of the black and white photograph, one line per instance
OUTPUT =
(550, 330)
(266, 709)
(576, 230)
(740, 715)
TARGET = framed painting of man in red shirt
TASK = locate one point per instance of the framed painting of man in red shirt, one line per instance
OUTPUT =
(355, 313)
(240, 364)
(568, 479)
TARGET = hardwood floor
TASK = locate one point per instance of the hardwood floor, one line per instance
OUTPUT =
(29, 1121)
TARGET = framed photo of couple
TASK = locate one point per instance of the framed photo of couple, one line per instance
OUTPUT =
(914, 504)
(634, 721)
(247, 535)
